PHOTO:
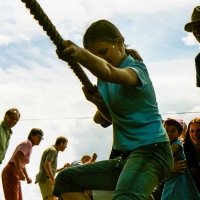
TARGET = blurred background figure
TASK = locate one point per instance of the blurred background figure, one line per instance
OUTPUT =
(194, 27)
(15, 170)
(11, 118)
(48, 168)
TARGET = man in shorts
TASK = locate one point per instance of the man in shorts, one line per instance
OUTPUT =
(48, 166)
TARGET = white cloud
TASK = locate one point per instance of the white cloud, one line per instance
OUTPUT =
(189, 40)
(5, 40)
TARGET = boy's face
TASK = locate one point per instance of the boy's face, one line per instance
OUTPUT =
(36, 139)
(172, 132)
(196, 31)
(111, 52)
(12, 119)
(63, 146)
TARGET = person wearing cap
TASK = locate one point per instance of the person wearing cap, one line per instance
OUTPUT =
(48, 168)
(15, 170)
(194, 27)
(11, 118)
(178, 185)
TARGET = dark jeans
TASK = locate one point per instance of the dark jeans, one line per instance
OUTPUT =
(133, 177)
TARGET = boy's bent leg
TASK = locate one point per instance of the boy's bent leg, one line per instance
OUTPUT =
(102, 175)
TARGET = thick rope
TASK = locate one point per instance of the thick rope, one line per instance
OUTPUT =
(50, 29)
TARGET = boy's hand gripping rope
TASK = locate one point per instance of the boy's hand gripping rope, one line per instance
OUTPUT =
(50, 29)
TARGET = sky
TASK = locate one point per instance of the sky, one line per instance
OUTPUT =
(48, 93)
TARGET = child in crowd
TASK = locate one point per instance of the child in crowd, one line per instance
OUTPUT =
(178, 185)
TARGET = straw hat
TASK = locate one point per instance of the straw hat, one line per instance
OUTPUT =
(195, 18)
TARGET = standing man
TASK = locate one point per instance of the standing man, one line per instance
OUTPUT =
(194, 27)
(11, 118)
(48, 166)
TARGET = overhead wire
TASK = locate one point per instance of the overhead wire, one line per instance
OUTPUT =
(80, 118)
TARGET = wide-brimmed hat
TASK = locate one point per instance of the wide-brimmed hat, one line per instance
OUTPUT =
(195, 18)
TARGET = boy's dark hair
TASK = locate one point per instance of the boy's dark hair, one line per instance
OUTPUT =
(12, 110)
(104, 30)
(60, 139)
(35, 131)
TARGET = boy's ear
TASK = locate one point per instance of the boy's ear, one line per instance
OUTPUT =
(120, 43)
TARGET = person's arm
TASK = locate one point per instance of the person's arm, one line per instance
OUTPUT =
(99, 119)
(102, 116)
(106, 72)
(96, 98)
(94, 157)
(16, 158)
(60, 169)
(98, 66)
(48, 169)
(179, 166)
(65, 166)
(28, 180)
(103, 112)
(175, 148)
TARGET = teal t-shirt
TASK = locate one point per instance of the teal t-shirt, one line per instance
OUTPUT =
(134, 110)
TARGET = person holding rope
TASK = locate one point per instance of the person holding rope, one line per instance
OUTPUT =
(125, 97)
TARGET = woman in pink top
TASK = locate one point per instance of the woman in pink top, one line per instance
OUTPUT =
(15, 170)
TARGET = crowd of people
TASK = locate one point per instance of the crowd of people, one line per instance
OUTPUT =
(182, 183)
(151, 158)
